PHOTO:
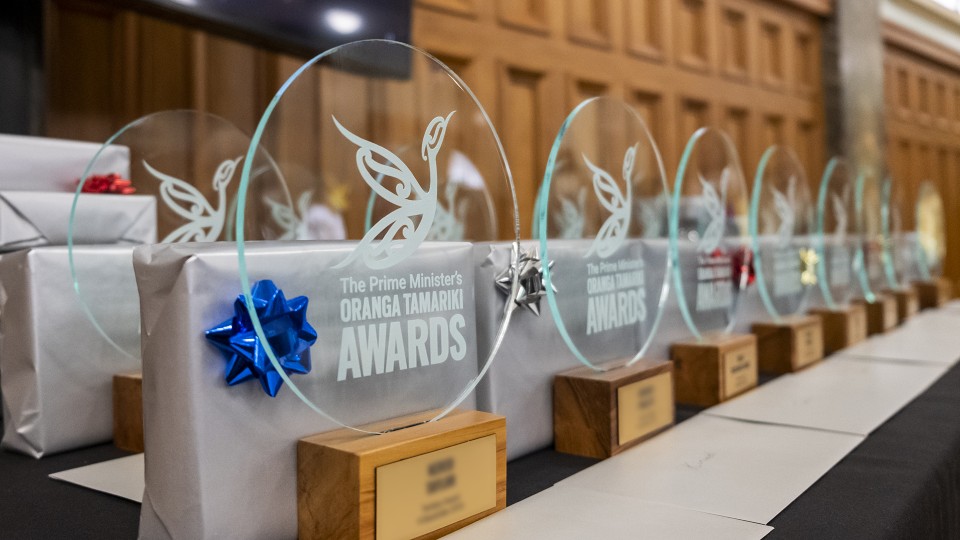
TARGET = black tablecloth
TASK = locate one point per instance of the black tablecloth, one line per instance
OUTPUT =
(903, 481)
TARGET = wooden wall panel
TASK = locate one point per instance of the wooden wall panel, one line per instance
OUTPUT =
(922, 122)
(751, 67)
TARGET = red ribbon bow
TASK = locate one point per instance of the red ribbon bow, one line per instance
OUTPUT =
(107, 183)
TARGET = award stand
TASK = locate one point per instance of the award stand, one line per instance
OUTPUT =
(881, 313)
(933, 290)
(933, 293)
(419, 480)
(714, 370)
(616, 398)
(842, 327)
(600, 413)
(128, 411)
(781, 230)
(789, 345)
(908, 303)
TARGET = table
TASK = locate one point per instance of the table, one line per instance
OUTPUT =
(903, 481)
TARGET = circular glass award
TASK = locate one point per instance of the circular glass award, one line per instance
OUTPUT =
(709, 242)
(836, 237)
(602, 214)
(177, 183)
(781, 227)
(931, 238)
(868, 261)
(899, 261)
(390, 146)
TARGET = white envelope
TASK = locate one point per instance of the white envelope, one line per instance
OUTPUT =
(562, 513)
(42, 218)
(44, 164)
(719, 466)
(852, 395)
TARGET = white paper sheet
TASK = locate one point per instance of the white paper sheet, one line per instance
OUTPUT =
(852, 395)
(934, 342)
(562, 513)
(721, 466)
(122, 477)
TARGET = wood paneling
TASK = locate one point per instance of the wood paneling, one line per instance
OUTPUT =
(749, 66)
(922, 122)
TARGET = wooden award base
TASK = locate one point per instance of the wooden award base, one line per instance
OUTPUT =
(714, 370)
(842, 327)
(421, 481)
(789, 345)
(128, 411)
(908, 303)
(599, 413)
(881, 313)
(933, 293)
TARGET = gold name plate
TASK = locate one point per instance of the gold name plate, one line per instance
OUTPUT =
(644, 406)
(428, 492)
(739, 370)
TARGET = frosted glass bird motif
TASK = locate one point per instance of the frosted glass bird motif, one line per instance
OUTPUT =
(614, 230)
(204, 222)
(292, 222)
(715, 206)
(398, 234)
(784, 207)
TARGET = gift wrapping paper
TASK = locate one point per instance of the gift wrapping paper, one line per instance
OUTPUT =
(44, 164)
(221, 460)
(56, 368)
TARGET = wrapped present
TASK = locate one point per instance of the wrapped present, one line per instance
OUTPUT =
(220, 458)
(35, 218)
(56, 365)
(44, 164)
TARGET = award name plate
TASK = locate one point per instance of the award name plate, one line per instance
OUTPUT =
(933, 290)
(712, 266)
(837, 241)
(401, 177)
(781, 231)
(602, 200)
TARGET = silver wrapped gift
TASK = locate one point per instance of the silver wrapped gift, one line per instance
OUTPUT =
(44, 164)
(221, 460)
(42, 218)
(56, 367)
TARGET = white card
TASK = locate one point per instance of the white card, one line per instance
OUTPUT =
(561, 512)
(721, 466)
(852, 395)
(937, 343)
(122, 477)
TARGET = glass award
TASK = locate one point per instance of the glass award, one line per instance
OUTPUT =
(899, 256)
(933, 290)
(881, 308)
(391, 149)
(837, 243)
(181, 186)
(785, 262)
(712, 267)
(602, 218)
